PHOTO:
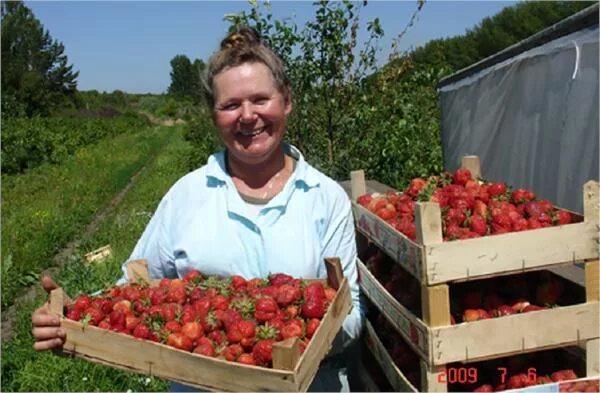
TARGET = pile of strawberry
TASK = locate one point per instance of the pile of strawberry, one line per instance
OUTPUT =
(470, 207)
(234, 319)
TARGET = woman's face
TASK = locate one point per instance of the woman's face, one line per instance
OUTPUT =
(250, 113)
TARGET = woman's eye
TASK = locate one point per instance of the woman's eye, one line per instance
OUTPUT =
(261, 101)
(229, 107)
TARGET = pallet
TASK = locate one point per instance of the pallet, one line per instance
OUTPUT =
(292, 371)
(438, 342)
(433, 261)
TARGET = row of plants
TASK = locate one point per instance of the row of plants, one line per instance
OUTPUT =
(30, 142)
(48, 206)
(25, 370)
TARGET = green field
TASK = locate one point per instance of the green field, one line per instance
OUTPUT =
(165, 156)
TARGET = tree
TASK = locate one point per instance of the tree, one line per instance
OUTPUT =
(185, 78)
(36, 77)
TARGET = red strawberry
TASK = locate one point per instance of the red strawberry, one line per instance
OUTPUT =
(202, 307)
(205, 347)
(238, 283)
(287, 294)
(219, 302)
(246, 358)
(461, 176)
(193, 330)
(563, 375)
(172, 327)
(176, 294)
(292, 328)
(117, 320)
(563, 217)
(263, 352)
(278, 279)
(123, 306)
(217, 336)
(533, 307)
(73, 314)
(364, 200)
(82, 302)
(93, 315)
(479, 225)
(484, 388)
(265, 309)
(503, 310)
(314, 308)
(311, 326)
(142, 331)
(232, 352)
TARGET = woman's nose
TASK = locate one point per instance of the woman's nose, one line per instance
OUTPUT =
(248, 115)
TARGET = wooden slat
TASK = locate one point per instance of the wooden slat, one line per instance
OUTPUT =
(98, 254)
(591, 204)
(592, 352)
(428, 223)
(125, 352)
(400, 248)
(510, 252)
(473, 164)
(435, 302)
(321, 342)
(413, 330)
(357, 184)
(393, 374)
(335, 274)
(57, 301)
(286, 354)
(477, 340)
(592, 277)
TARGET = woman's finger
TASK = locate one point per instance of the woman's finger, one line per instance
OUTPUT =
(42, 317)
(48, 344)
(47, 333)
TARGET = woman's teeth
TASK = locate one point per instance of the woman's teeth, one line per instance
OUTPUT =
(252, 132)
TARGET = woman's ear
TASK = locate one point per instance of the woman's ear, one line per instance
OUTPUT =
(288, 103)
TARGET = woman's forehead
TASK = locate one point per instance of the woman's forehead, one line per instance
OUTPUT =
(247, 78)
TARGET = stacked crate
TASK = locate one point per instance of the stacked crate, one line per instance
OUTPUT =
(437, 264)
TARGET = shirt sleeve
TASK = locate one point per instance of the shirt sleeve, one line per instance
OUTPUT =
(155, 244)
(340, 241)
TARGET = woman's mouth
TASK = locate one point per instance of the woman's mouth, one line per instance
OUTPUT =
(252, 133)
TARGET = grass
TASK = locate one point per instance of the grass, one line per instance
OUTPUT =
(26, 370)
(44, 208)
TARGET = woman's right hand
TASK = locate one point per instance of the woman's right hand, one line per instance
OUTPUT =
(46, 326)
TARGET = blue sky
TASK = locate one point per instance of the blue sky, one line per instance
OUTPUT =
(128, 45)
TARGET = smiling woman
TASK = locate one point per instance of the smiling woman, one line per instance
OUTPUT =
(255, 208)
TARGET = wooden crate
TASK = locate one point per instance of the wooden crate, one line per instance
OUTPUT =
(393, 374)
(438, 342)
(433, 261)
(291, 370)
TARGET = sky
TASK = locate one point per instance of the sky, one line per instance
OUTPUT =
(128, 45)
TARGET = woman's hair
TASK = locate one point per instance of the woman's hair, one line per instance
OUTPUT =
(244, 46)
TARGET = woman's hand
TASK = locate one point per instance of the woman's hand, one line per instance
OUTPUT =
(46, 326)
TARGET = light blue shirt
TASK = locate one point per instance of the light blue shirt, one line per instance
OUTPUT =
(202, 223)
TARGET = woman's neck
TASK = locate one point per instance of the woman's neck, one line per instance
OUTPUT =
(257, 176)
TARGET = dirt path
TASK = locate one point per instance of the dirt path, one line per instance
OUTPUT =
(9, 316)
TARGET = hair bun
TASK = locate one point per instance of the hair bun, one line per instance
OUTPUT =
(243, 37)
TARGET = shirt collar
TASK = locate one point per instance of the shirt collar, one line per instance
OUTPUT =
(216, 167)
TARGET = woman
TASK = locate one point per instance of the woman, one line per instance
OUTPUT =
(255, 208)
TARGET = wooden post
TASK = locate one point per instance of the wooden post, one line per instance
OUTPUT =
(334, 272)
(591, 200)
(431, 378)
(358, 185)
(435, 301)
(592, 354)
(592, 292)
(428, 222)
(473, 164)
(57, 301)
(286, 354)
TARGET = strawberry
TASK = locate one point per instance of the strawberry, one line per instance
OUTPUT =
(82, 302)
(533, 307)
(314, 308)
(278, 279)
(131, 293)
(479, 225)
(92, 315)
(292, 311)
(193, 330)
(265, 309)
(415, 187)
(364, 200)
(217, 336)
(263, 352)
(117, 319)
(205, 347)
(238, 283)
(141, 331)
(314, 290)
(219, 302)
(496, 189)
(232, 352)
(176, 294)
(131, 322)
(123, 306)
(563, 375)
(461, 176)
(202, 307)
(330, 294)
(484, 388)
(503, 310)
(562, 217)
(287, 294)
(522, 195)
(192, 276)
(172, 327)
(246, 358)
(73, 314)
(293, 328)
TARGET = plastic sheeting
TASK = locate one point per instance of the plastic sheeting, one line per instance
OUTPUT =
(532, 119)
